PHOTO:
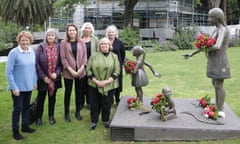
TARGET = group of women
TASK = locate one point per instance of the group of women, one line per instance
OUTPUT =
(94, 66)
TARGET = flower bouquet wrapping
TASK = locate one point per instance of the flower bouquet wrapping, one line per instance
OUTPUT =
(204, 42)
(129, 66)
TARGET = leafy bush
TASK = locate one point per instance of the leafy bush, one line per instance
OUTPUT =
(130, 37)
(183, 39)
(8, 33)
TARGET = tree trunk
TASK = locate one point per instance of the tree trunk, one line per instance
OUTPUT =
(215, 3)
(128, 12)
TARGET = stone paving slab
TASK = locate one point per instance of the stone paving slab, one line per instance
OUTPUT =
(3, 59)
(129, 125)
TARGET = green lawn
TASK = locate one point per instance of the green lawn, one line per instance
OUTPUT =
(186, 78)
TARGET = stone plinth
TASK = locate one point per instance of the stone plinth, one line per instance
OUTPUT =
(128, 125)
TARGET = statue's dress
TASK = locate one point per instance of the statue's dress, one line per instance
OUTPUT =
(140, 78)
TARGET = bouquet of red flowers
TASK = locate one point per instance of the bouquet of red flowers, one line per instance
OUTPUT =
(158, 103)
(211, 112)
(133, 103)
(129, 66)
(204, 41)
(204, 101)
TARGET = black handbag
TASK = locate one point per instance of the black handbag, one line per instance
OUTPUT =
(32, 112)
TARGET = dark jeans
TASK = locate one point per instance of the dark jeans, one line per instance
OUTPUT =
(20, 106)
(40, 103)
(100, 103)
(68, 91)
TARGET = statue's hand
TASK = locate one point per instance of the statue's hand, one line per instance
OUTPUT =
(157, 74)
(186, 56)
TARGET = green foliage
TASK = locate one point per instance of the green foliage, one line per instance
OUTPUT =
(66, 8)
(130, 37)
(26, 12)
(183, 39)
(8, 33)
(37, 28)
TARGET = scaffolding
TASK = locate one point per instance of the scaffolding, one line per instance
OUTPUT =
(148, 14)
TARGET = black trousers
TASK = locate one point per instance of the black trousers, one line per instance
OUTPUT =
(20, 108)
(41, 100)
(100, 104)
(79, 92)
(85, 97)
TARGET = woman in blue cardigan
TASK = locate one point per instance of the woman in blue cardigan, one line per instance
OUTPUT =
(22, 79)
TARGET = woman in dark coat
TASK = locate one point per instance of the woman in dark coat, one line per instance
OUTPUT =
(49, 74)
(119, 50)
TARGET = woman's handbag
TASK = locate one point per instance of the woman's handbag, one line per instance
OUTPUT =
(32, 112)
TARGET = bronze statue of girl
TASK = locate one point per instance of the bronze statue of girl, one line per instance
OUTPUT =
(139, 76)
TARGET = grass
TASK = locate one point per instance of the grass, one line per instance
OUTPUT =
(186, 78)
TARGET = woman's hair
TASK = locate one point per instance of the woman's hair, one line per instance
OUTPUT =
(85, 25)
(25, 34)
(112, 28)
(71, 25)
(51, 30)
(105, 40)
(218, 14)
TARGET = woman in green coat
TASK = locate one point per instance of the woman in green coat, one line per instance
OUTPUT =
(102, 71)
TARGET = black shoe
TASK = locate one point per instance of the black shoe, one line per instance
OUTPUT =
(78, 116)
(17, 135)
(27, 129)
(106, 124)
(67, 118)
(93, 126)
(39, 122)
(52, 120)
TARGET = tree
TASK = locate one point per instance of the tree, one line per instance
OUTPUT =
(66, 8)
(128, 12)
(215, 3)
(26, 12)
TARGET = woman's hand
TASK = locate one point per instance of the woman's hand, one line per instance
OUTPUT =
(16, 92)
(46, 80)
(53, 76)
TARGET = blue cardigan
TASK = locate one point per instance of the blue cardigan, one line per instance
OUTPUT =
(21, 70)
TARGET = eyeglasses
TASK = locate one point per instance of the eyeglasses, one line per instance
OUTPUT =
(104, 43)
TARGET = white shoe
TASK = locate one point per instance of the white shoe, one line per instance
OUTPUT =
(221, 114)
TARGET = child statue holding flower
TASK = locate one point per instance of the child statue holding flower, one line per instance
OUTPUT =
(218, 67)
(139, 76)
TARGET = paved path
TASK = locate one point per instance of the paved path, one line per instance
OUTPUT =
(4, 58)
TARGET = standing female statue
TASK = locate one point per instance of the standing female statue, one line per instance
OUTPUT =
(218, 67)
